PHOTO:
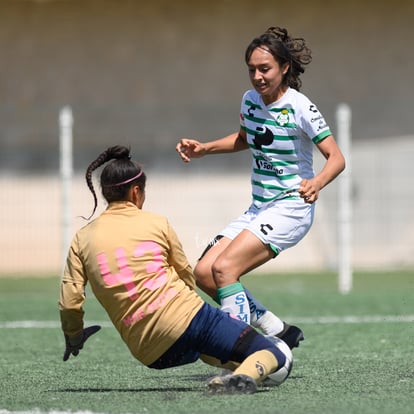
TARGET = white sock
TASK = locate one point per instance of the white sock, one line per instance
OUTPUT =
(269, 323)
(237, 305)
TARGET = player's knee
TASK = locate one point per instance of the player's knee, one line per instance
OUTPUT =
(204, 279)
(223, 273)
(202, 272)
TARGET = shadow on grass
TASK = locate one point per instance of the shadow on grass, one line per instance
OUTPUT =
(263, 388)
(98, 390)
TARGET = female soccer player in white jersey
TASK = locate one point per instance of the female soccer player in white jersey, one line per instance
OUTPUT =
(279, 125)
(137, 270)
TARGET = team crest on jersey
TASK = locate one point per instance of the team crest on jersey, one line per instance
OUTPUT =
(283, 118)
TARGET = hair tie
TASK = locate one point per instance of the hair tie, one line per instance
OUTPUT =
(126, 181)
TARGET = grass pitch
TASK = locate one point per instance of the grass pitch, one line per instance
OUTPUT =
(358, 355)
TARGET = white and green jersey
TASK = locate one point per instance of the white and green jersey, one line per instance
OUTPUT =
(281, 137)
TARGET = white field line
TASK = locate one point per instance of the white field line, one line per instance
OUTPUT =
(305, 320)
(46, 412)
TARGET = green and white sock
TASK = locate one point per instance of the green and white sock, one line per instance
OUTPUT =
(234, 301)
(269, 324)
(262, 318)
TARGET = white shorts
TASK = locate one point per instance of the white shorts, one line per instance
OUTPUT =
(281, 225)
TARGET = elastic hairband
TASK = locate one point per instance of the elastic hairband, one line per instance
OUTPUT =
(127, 181)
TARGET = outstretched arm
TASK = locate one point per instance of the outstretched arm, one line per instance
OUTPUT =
(71, 299)
(190, 148)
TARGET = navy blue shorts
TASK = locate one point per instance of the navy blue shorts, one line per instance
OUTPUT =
(215, 333)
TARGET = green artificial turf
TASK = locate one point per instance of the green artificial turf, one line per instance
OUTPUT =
(358, 355)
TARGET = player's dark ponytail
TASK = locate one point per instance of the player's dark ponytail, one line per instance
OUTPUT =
(117, 177)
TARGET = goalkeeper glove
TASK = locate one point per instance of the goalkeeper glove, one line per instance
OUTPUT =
(74, 345)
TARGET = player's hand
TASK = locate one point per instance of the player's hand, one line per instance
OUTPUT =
(190, 148)
(309, 190)
(74, 345)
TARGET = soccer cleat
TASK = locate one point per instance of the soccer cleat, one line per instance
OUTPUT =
(291, 335)
(232, 384)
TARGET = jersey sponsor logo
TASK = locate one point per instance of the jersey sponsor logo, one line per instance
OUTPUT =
(322, 124)
(318, 118)
(263, 165)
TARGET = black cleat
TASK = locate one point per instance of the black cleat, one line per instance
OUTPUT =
(291, 335)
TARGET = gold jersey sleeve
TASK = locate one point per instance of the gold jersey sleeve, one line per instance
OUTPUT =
(137, 269)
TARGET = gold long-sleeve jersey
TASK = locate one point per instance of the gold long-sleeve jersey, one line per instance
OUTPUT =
(138, 271)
